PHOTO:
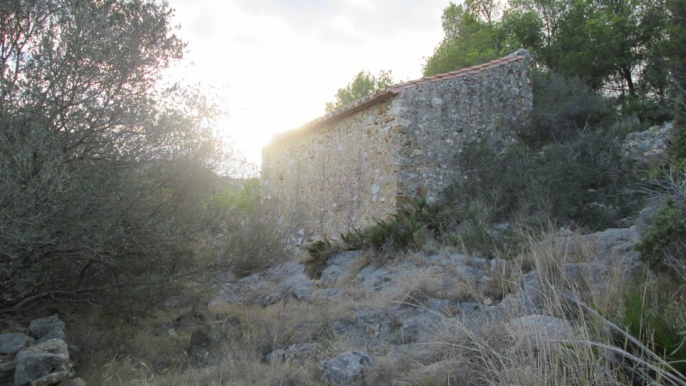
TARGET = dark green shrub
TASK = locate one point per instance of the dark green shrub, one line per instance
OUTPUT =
(411, 227)
(666, 237)
(408, 229)
(493, 176)
(657, 325)
(580, 181)
(645, 109)
(563, 107)
(438, 217)
(403, 231)
(354, 239)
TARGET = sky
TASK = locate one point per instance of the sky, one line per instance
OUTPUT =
(275, 63)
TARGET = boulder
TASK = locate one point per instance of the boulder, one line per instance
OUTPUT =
(365, 328)
(298, 288)
(56, 332)
(40, 360)
(13, 342)
(41, 327)
(647, 148)
(347, 369)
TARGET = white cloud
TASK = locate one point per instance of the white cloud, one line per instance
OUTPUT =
(366, 4)
(342, 23)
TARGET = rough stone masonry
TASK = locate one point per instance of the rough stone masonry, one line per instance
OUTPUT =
(356, 165)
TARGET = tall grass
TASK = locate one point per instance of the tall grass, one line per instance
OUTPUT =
(598, 348)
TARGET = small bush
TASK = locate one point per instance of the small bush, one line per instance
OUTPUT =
(438, 217)
(404, 231)
(354, 239)
(657, 325)
(666, 237)
(409, 229)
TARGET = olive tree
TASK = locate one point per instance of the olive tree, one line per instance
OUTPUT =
(102, 170)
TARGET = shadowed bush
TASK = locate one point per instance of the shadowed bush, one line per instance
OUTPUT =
(581, 181)
(563, 107)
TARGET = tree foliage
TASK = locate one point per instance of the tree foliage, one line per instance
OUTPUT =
(468, 40)
(630, 48)
(101, 170)
(362, 85)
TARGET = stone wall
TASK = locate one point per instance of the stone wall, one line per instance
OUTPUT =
(439, 118)
(353, 166)
(341, 175)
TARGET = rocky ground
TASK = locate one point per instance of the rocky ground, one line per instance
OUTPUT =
(366, 322)
(400, 321)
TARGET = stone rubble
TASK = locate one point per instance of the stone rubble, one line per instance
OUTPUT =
(41, 357)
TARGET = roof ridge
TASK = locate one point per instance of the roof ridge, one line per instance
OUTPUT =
(395, 89)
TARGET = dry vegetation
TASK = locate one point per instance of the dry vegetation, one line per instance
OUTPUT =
(594, 349)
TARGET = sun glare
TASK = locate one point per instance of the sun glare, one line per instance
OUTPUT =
(277, 66)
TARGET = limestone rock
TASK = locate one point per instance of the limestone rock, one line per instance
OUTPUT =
(375, 278)
(39, 360)
(287, 280)
(346, 369)
(648, 147)
(395, 324)
(41, 327)
(13, 342)
(339, 267)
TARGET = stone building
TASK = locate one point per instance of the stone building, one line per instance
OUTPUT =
(355, 165)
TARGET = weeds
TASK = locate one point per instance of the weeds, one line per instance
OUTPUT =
(407, 230)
